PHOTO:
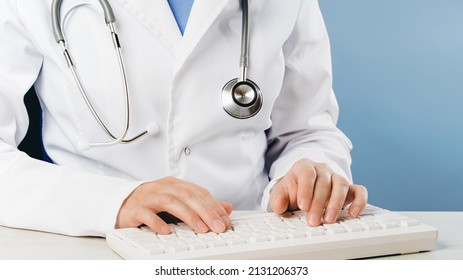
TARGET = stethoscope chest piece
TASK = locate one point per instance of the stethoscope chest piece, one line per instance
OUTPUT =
(241, 99)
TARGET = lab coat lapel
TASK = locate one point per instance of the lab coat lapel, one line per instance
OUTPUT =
(202, 15)
(157, 16)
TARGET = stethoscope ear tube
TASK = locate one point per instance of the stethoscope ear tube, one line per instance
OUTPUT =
(59, 37)
(108, 11)
(55, 20)
(56, 17)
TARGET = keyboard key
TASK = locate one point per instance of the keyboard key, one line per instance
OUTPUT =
(371, 225)
(257, 239)
(315, 231)
(389, 224)
(336, 230)
(236, 241)
(354, 228)
(197, 246)
(409, 222)
(154, 250)
(277, 236)
(300, 214)
(217, 243)
(296, 235)
(177, 248)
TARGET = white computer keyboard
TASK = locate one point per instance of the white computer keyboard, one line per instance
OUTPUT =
(377, 232)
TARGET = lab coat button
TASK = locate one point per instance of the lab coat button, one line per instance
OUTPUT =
(187, 151)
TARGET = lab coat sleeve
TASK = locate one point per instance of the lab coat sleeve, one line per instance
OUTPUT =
(305, 114)
(35, 194)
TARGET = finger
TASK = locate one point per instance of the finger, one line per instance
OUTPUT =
(306, 179)
(291, 184)
(191, 203)
(217, 207)
(149, 218)
(227, 206)
(358, 194)
(211, 211)
(279, 200)
(321, 195)
(353, 190)
(172, 204)
(203, 204)
(339, 190)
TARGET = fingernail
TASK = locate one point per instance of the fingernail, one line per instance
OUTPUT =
(202, 227)
(227, 221)
(165, 229)
(314, 220)
(355, 211)
(218, 225)
(329, 216)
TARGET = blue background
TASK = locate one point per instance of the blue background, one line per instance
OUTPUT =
(398, 77)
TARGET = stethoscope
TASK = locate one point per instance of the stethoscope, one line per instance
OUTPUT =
(241, 97)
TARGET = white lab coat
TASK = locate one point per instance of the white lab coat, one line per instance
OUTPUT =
(175, 82)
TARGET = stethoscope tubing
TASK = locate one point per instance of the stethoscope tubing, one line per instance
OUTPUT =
(60, 39)
(244, 60)
(241, 97)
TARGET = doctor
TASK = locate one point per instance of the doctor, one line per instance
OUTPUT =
(197, 156)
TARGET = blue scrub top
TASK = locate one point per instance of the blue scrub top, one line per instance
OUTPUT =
(181, 10)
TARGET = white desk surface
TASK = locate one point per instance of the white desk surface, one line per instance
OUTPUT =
(16, 244)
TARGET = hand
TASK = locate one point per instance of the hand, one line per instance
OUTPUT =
(192, 204)
(315, 188)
